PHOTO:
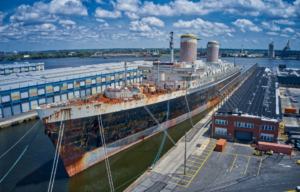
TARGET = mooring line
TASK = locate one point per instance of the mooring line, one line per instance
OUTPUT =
(35, 134)
(19, 140)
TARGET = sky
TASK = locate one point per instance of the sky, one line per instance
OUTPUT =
(29, 25)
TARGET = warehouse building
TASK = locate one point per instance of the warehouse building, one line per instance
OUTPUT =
(252, 112)
(288, 77)
(17, 67)
(22, 92)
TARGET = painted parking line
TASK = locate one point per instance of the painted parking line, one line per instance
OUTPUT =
(180, 179)
(247, 166)
(177, 184)
(192, 165)
(197, 158)
(183, 173)
(259, 166)
(194, 161)
(233, 163)
(249, 157)
(200, 167)
(189, 169)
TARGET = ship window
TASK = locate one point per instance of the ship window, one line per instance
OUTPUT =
(116, 76)
(108, 78)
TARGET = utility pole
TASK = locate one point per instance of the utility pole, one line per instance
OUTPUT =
(185, 154)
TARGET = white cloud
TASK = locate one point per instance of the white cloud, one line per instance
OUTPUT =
(119, 26)
(132, 15)
(254, 41)
(270, 26)
(109, 14)
(153, 21)
(245, 39)
(139, 26)
(230, 35)
(100, 1)
(288, 30)
(2, 15)
(245, 24)
(284, 22)
(67, 22)
(272, 33)
(205, 28)
(284, 35)
(145, 23)
(272, 8)
(128, 5)
(100, 20)
(46, 12)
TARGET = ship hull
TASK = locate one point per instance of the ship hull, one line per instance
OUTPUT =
(82, 146)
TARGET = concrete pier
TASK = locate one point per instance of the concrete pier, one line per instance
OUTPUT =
(15, 119)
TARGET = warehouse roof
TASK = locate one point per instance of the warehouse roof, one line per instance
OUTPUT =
(17, 80)
(257, 97)
(18, 65)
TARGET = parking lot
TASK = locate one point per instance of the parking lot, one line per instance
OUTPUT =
(286, 94)
(212, 168)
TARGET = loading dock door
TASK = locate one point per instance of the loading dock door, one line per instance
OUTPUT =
(50, 99)
(82, 92)
(17, 108)
(7, 111)
(88, 91)
(25, 106)
(244, 135)
(64, 96)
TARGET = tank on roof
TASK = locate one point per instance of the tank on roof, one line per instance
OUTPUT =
(188, 48)
(212, 52)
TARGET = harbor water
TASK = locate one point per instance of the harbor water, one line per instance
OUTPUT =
(33, 171)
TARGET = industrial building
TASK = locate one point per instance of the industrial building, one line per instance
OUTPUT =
(22, 92)
(252, 112)
(17, 67)
(286, 51)
(288, 77)
(271, 51)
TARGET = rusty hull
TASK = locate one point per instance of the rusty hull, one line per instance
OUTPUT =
(81, 144)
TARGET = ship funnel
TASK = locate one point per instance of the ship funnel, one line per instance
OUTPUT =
(188, 48)
(212, 52)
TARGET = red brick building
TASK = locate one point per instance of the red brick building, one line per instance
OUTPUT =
(245, 127)
(257, 110)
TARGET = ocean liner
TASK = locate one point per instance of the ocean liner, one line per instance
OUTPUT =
(188, 84)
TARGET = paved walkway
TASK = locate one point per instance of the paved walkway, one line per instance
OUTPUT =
(168, 172)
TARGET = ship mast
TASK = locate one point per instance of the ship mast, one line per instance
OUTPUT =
(172, 48)
(125, 74)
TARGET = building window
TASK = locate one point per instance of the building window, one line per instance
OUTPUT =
(245, 125)
(220, 131)
(266, 137)
(98, 79)
(221, 122)
(268, 127)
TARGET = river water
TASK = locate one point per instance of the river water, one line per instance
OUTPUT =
(33, 171)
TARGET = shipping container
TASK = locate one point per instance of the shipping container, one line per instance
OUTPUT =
(276, 148)
(290, 110)
(221, 144)
(288, 128)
